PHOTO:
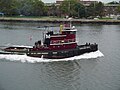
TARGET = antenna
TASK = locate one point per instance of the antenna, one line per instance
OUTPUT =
(70, 22)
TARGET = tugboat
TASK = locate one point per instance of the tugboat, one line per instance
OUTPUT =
(60, 45)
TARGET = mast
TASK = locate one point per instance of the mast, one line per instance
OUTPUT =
(70, 19)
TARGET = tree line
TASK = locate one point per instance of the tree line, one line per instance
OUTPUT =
(38, 8)
(22, 7)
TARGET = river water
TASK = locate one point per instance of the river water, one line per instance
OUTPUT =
(101, 73)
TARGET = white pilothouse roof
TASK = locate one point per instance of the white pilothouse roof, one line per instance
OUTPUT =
(69, 30)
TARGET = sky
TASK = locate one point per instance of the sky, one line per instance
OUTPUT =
(104, 1)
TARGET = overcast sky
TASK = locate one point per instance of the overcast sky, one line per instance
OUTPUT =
(104, 1)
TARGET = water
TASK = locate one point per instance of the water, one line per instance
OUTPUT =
(81, 74)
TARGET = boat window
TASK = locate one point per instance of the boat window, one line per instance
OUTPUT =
(66, 41)
(70, 40)
(73, 32)
(67, 28)
(67, 32)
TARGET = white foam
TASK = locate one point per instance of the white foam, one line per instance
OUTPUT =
(25, 58)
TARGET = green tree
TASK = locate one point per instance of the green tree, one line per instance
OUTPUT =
(26, 7)
(80, 10)
(118, 9)
(95, 9)
(113, 2)
(99, 8)
(46, 9)
(32, 7)
(37, 8)
(9, 7)
(53, 10)
(90, 11)
(68, 7)
(64, 7)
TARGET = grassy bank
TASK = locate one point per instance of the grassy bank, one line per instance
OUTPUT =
(32, 18)
(58, 20)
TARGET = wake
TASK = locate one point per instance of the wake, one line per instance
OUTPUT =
(25, 58)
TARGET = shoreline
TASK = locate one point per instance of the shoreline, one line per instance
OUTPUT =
(56, 20)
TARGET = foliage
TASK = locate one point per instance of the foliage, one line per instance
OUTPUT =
(91, 10)
(38, 8)
(118, 9)
(99, 9)
(31, 7)
(80, 10)
(95, 9)
(68, 7)
(113, 2)
(53, 10)
(9, 7)
(23, 7)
